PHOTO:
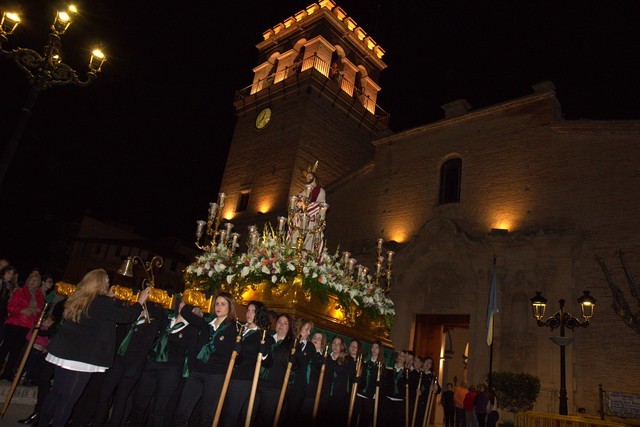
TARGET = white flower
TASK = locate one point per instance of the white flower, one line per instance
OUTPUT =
(230, 278)
(199, 271)
(219, 268)
(210, 273)
(244, 272)
(274, 278)
(265, 269)
(291, 267)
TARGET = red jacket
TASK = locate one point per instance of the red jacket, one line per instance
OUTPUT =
(20, 300)
(469, 399)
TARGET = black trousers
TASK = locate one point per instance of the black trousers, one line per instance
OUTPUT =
(67, 388)
(235, 403)
(363, 412)
(268, 405)
(449, 417)
(43, 382)
(12, 346)
(118, 386)
(199, 386)
(158, 382)
(391, 413)
(86, 406)
(295, 397)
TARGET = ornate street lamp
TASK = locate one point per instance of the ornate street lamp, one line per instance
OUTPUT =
(562, 320)
(43, 71)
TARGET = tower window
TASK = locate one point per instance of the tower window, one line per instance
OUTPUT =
(450, 181)
(243, 201)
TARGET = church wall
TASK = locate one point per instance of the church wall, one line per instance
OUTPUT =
(565, 196)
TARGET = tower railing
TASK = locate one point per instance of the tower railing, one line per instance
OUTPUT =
(351, 88)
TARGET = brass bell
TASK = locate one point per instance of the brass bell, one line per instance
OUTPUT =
(126, 268)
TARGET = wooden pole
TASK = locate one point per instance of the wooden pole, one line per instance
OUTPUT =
(254, 384)
(25, 356)
(415, 405)
(427, 410)
(406, 397)
(227, 379)
(354, 389)
(285, 384)
(316, 404)
(376, 399)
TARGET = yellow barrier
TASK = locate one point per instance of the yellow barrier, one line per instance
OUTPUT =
(542, 419)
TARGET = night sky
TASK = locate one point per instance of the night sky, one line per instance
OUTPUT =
(146, 144)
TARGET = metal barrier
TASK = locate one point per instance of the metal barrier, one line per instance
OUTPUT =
(541, 419)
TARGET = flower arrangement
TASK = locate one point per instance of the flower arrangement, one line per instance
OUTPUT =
(269, 259)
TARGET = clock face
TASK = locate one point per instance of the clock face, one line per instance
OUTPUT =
(263, 118)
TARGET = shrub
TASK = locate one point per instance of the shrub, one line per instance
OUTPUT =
(516, 392)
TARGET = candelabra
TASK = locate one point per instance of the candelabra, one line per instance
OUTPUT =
(561, 319)
(383, 271)
(218, 240)
(43, 71)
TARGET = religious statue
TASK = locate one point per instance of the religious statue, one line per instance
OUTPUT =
(309, 208)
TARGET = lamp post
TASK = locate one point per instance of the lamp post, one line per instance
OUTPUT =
(561, 319)
(43, 71)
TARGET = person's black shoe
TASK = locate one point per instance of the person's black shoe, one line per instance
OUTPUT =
(31, 419)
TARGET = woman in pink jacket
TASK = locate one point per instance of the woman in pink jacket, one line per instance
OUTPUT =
(23, 309)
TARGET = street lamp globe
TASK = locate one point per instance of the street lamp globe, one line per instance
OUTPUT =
(10, 21)
(587, 305)
(97, 59)
(539, 306)
(61, 22)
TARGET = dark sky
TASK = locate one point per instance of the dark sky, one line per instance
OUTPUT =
(146, 143)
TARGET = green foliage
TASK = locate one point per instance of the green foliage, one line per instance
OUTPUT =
(516, 392)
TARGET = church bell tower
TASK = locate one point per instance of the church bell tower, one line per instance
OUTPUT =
(313, 97)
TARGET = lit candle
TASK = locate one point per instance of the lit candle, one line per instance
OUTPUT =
(365, 271)
(307, 190)
(228, 226)
(281, 222)
(213, 209)
(234, 240)
(303, 223)
(221, 198)
(352, 263)
(360, 271)
(345, 257)
(292, 202)
(200, 227)
(254, 239)
(378, 268)
(223, 235)
(252, 229)
(390, 255)
(323, 210)
(380, 241)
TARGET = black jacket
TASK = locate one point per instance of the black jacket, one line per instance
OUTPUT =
(93, 339)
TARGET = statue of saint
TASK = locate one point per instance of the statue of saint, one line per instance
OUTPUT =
(314, 196)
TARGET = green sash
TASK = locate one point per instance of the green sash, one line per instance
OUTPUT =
(209, 348)
(160, 349)
(124, 345)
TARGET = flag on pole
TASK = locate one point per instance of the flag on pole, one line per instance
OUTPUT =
(492, 307)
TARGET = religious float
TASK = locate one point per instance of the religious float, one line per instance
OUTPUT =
(288, 267)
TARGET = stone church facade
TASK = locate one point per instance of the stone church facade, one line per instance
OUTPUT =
(512, 181)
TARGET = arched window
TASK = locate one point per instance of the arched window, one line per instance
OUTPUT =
(450, 181)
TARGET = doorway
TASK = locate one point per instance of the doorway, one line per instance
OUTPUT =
(444, 338)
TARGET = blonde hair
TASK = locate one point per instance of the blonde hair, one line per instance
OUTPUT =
(300, 323)
(94, 283)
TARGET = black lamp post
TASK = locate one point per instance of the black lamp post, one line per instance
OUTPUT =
(43, 71)
(561, 319)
